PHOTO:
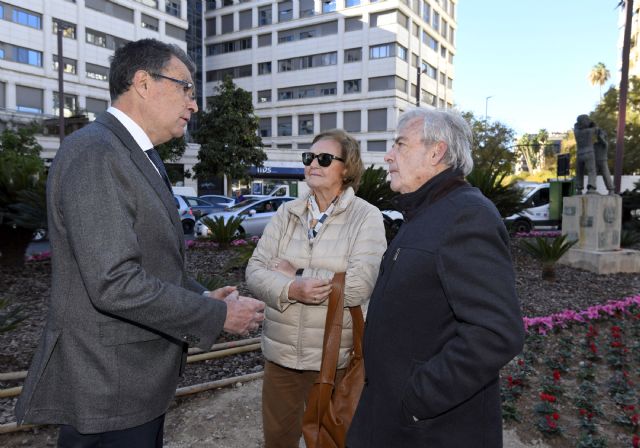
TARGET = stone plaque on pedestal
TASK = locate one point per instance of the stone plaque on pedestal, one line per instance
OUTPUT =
(593, 220)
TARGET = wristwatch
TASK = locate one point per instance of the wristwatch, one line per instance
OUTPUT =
(299, 272)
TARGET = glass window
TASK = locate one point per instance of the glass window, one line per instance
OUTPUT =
(27, 56)
(305, 125)
(306, 8)
(68, 29)
(70, 104)
(414, 60)
(227, 24)
(29, 99)
(352, 55)
(264, 96)
(377, 119)
(351, 121)
(95, 107)
(172, 7)
(352, 86)
(430, 41)
(353, 23)
(415, 30)
(435, 21)
(27, 18)
(264, 15)
(97, 72)
(328, 121)
(264, 68)
(401, 52)
(381, 51)
(265, 127)
(150, 23)
(69, 65)
(245, 20)
(264, 40)
(211, 4)
(211, 27)
(328, 6)
(377, 145)
(284, 126)
(96, 38)
(426, 12)
(285, 11)
(3, 86)
(350, 3)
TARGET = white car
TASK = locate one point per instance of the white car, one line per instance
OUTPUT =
(218, 199)
(393, 219)
(256, 213)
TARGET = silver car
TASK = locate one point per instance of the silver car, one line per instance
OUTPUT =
(256, 213)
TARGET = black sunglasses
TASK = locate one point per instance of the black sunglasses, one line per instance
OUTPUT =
(324, 159)
(187, 86)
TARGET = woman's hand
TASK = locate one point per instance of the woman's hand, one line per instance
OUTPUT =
(282, 266)
(310, 291)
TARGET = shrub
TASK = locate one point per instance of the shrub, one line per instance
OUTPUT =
(548, 252)
(507, 198)
(629, 238)
(375, 189)
(223, 232)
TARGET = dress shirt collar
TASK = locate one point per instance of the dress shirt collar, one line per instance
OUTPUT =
(141, 138)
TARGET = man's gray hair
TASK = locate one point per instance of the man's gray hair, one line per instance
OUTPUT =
(448, 126)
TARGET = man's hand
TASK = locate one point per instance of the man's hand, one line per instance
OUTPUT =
(244, 314)
(221, 293)
(311, 291)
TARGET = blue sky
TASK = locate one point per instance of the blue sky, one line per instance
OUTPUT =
(533, 58)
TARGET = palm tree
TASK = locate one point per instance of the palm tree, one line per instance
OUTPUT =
(599, 75)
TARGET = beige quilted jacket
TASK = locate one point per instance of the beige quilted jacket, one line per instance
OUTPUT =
(352, 240)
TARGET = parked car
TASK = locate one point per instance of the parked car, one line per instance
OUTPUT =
(218, 199)
(201, 207)
(186, 214)
(256, 213)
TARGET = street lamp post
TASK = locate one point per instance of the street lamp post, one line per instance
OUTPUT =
(486, 107)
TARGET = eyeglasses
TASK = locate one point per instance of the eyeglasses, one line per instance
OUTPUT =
(324, 159)
(187, 87)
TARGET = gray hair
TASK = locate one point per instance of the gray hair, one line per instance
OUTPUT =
(448, 126)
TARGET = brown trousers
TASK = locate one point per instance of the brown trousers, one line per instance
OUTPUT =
(284, 397)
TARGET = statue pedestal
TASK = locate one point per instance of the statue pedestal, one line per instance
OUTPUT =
(595, 221)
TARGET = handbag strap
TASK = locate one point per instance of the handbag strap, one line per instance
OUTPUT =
(332, 331)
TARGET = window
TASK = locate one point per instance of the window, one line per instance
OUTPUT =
(426, 12)
(443, 78)
(264, 40)
(305, 125)
(377, 145)
(265, 127)
(304, 145)
(151, 23)
(245, 20)
(29, 99)
(113, 9)
(211, 5)
(328, 6)
(403, 20)
(284, 126)
(96, 38)
(308, 91)
(353, 23)
(230, 46)
(435, 21)
(306, 8)
(211, 27)
(328, 121)
(429, 69)
(377, 119)
(428, 97)
(304, 62)
(452, 10)
(95, 107)
(241, 71)
(350, 3)
(97, 72)
(264, 15)
(414, 60)
(226, 24)
(264, 96)
(264, 68)
(352, 86)
(175, 32)
(26, 56)
(27, 18)
(69, 65)
(68, 29)
(308, 32)
(285, 11)
(449, 83)
(351, 121)
(3, 86)
(452, 35)
(388, 18)
(227, 3)
(172, 7)
(353, 55)
(415, 30)
(430, 41)
(387, 50)
(415, 6)
(401, 52)
(387, 83)
(443, 51)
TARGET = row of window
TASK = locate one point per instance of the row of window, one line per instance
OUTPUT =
(28, 56)
(31, 100)
(376, 121)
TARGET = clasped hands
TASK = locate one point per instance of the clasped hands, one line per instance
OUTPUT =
(244, 314)
(307, 290)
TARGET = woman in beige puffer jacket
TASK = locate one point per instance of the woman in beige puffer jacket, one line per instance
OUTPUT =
(307, 241)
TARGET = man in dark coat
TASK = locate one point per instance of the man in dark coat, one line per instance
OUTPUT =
(123, 310)
(444, 316)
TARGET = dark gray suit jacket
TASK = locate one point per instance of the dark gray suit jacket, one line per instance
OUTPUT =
(123, 309)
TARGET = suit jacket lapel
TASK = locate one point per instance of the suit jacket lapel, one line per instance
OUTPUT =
(141, 160)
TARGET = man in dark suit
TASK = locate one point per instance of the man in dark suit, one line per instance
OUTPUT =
(444, 316)
(123, 310)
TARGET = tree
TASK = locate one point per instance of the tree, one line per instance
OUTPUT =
(536, 149)
(172, 150)
(599, 75)
(228, 135)
(22, 192)
(375, 188)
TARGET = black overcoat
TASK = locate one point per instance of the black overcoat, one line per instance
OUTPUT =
(443, 319)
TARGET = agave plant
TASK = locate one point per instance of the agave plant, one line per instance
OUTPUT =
(223, 232)
(374, 187)
(548, 251)
(629, 238)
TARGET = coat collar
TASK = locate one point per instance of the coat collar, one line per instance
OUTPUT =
(143, 163)
(299, 206)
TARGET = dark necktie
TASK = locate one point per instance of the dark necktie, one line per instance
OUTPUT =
(157, 161)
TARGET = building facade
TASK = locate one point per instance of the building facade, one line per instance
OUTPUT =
(313, 65)
(92, 31)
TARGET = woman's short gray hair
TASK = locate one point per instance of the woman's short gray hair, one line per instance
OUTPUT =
(448, 126)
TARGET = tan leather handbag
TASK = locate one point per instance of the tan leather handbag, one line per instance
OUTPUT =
(330, 408)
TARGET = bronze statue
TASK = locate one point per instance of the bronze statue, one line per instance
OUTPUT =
(585, 132)
(602, 168)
